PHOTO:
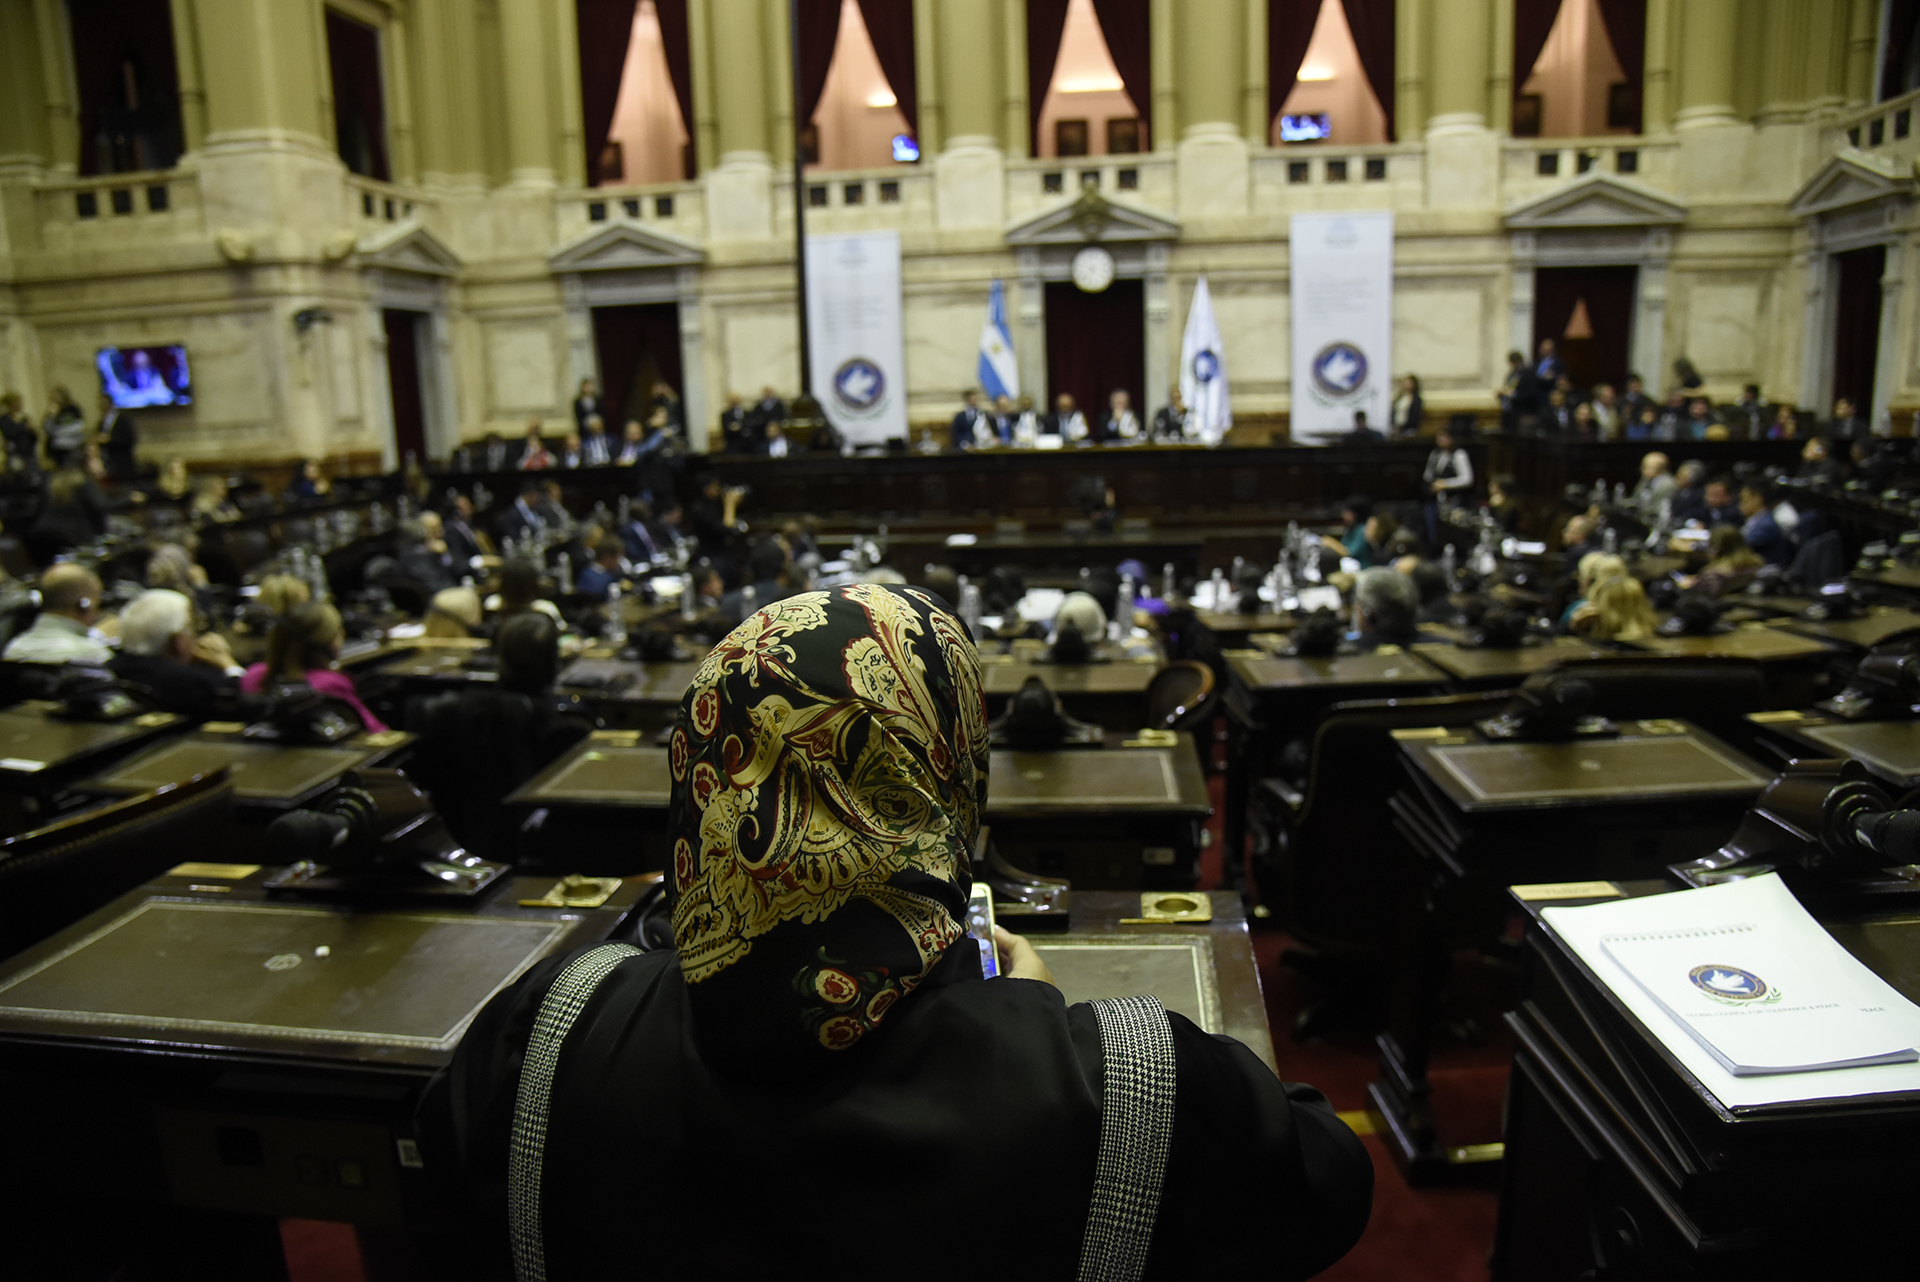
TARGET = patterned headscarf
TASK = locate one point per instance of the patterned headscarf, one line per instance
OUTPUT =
(829, 769)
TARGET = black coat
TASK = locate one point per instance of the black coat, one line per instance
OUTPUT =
(192, 689)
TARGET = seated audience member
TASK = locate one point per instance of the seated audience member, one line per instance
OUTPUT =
(453, 613)
(642, 546)
(733, 428)
(1002, 419)
(1688, 503)
(1501, 504)
(768, 409)
(1430, 581)
(1786, 424)
(1817, 464)
(534, 455)
(1079, 627)
(570, 455)
(63, 630)
(1407, 411)
(520, 592)
(185, 673)
(464, 539)
(776, 445)
(1642, 424)
(633, 445)
(1361, 433)
(73, 512)
(1649, 501)
(64, 428)
(1609, 415)
(173, 485)
(606, 570)
(171, 566)
(1593, 567)
(17, 434)
(1721, 507)
(211, 503)
(1730, 564)
(1761, 533)
(1383, 532)
(1066, 424)
(281, 592)
(495, 454)
(1120, 423)
(1873, 467)
(1584, 426)
(670, 531)
(935, 1069)
(1171, 420)
(970, 426)
(414, 551)
(1386, 608)
(479, 744)
(1617, 610)
(1352, 540)
(708, 587)
(1581, 534)
(714, 517)
(311, 483)
(527, 516)
(1846, 426)
(766, 574)
(945, 584)
(301, 650)
(595, 449)
(1027, 425)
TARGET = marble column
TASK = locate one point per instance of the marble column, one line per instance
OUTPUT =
(1030, 334)
(1656, 81)
(1708, 29)
(1163, 129)
(1887, 364)
(1463, 156)
(740, 185)
(530, 133)
(24, 118)
(695, 404)
(970, 173)
(1816, 333)
(1863, 40)
(1411, 25)
(396, 51)
(1162, 351)
(1014, 129)
(63, 124)
(1212, 178)
(193, 94)
(702, 128)
(1649, 352)
(1784, 60)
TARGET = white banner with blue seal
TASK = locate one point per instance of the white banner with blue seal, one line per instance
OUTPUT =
(857, 333)
(1341, 286)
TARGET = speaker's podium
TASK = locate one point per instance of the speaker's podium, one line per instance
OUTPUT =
(1620, 1163)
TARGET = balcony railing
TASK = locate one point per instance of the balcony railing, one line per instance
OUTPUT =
(1534, 166)
(371, 201)
(676, 208)
(156, 197)
(1885, 127)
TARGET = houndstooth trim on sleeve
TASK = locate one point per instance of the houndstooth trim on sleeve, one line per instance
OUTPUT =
(1136, 1131)
(526, 1164)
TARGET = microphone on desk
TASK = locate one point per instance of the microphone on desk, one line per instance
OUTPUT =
(1894, 834)
(346, 826)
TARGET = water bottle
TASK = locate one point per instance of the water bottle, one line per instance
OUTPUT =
(1167, 582)
(626, 510)
(1239, 564)
(1122, 625)
(1610, 542)
(749, 602)
(687, 596)
(970, 606)
(616, 618)
(1450, 563)
(1598, 494)
(1218, 583)
(1619, 493)
(564, 579)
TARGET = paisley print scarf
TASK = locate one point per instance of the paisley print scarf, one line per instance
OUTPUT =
(829, 769)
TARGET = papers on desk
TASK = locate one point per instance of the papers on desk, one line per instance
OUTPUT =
(667, 587)
(962, 540)
(1039, 605)
(1749, 993)
(406, 631)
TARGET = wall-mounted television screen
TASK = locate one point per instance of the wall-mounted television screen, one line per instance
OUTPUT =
(1312, 128)
(135, 377)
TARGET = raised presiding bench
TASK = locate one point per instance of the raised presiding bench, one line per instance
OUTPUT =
(1105, 818)
(1203, 969)
(1483, 815)
(600, 809)
(1620, 1163)
(231, 1053)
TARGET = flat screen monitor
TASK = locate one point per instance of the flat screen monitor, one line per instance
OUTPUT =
(137, 377)
(1311, 128)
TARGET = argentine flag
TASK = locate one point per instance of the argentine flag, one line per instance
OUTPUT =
(999, 372)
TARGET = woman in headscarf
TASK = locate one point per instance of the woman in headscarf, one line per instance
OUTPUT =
(817, 1079)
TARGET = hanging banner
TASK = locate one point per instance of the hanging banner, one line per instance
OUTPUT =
(857, 333)
(1342, 291)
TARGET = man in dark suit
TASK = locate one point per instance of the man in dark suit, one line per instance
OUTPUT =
(641, 544)
(1361, 433)
(969, 423)
(1636, 399)
(595, 449)
(158, 650)
(1747, 417)
(769, 409)
(116, 440)
(736, 429)
(525, 516)
(1066, 421)
(464, 542)
(1549, 367)
(1846, 424)
(1520, 395)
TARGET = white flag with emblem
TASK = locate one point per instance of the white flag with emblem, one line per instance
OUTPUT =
(1203, 371)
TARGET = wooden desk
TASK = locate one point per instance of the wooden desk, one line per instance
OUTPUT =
(601, 809)
(1104, 818)
(245, 1055)
(1337, 672)
(1480, 666)
(437, 664)
(1203, 970)
(267, 775)
(1482, 816)
(1889, 749)
(628, 694)
(1766, 644)
(1878, 625)
(1620, 1164)
(1111, 695)
(34, 743)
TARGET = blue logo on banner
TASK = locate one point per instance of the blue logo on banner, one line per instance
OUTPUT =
(1206, 366)
(1729, 983)
(859, 384)
(1340, 370)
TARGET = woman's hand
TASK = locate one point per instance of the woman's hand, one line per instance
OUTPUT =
(1018, 960)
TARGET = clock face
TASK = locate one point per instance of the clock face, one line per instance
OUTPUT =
(1093, 269)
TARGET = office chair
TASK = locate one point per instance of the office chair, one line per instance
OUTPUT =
(1715, 694)
(1327, 859)
(1180, 697)
(53, 876)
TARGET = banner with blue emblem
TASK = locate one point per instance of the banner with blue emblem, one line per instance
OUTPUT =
(1341, 288)
(999, 373)
(855, 320)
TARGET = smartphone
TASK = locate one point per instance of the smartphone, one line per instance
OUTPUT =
(980, 926)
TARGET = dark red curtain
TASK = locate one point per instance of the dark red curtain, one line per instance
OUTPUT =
(1609, 294)
(121, 131)
(1289, 32)
(819, 31)
(890, 25)
(359, 106)
(1903, 17)
(606, 28)
(1371, 22)
(1046, 20)
(636, 346)
(403, 383)
(1532, 23)
(1096, 343)
(1626, 23)
(679, 50)
(1128, 31)
(1856, 329)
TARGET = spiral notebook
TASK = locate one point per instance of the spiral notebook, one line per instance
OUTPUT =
(1793, 1062)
